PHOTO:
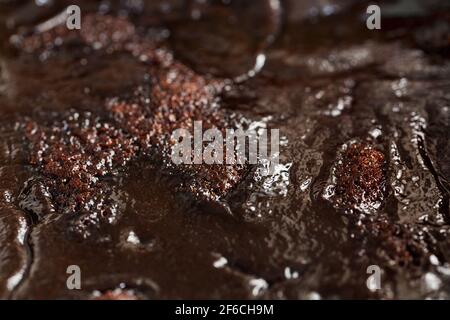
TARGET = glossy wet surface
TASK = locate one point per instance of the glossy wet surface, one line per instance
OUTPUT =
(363, 179)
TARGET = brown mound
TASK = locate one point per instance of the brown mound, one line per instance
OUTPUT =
(360, 176)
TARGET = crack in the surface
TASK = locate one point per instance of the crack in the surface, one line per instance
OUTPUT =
(444, 207)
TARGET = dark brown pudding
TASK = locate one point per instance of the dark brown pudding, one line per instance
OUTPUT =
(86, 176)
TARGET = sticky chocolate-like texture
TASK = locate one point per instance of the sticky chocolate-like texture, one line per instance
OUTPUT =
(75, 153)
(86, 176)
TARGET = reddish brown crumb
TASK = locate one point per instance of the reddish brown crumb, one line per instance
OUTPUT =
(116, 294)
(106, 31)
(360, 176)
(360, 184)
(179, 97)
(98, 31)
(398, 242)
(75, 152)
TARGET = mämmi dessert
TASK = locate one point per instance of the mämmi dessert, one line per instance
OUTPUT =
(86, 138)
